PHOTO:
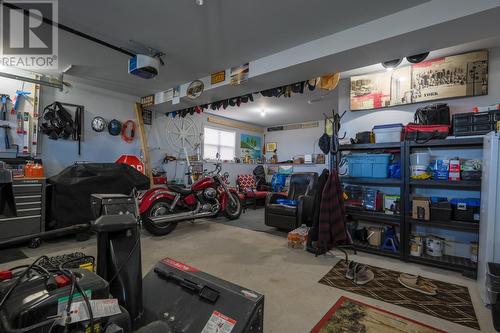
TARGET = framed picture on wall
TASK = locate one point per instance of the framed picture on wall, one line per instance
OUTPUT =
(462, 75)
(271, 146)
(251, 147)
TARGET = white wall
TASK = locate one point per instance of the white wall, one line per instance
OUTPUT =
(291, 143)
(159, 147)
(96, 147)
(358, 121)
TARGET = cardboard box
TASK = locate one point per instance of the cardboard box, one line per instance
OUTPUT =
(454, 173)
(391, 204)
(375, 235)
(320, 159)
(298, 160)
(421, 209)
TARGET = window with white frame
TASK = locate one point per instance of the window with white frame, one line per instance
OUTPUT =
(219, 141)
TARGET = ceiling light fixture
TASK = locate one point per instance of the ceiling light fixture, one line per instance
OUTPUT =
(415, 59)
(199, 2)
(263, 112)
(391, 64)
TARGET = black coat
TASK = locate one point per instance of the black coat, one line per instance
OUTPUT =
(313, 233)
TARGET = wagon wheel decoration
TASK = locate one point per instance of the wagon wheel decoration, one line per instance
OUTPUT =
(183, 134)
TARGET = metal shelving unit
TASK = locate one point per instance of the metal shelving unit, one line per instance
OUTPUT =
(371, 181)
(375, 250)
(456, 142)
(461, 264)
(453, 224)
(377, 217)
(453, 263)
(372, 146)
(405, 221)
(369, 216)
(460, 184)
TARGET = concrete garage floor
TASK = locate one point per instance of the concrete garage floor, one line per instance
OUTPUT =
(288, 278)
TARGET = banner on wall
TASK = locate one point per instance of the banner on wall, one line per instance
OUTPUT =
(239, 74)
(463, 75)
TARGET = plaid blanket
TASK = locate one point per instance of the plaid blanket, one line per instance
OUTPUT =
(332, 217)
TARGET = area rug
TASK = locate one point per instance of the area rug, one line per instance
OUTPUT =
(252, 219)
(348, 315)
(9, 255)
(452, 303)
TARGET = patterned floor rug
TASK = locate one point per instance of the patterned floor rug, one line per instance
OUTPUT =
(452, 303)
(348, 315)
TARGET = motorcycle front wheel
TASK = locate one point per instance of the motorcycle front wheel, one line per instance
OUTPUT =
(160, 207)
(233, 211)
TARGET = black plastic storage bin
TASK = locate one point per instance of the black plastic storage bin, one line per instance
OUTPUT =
(475, 123)
(465, 209)
(471, 175)
(441, 211)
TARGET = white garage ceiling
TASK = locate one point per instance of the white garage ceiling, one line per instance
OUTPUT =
(199, 40)
(298, 108)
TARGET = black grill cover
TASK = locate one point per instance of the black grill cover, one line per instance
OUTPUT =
(69, 197)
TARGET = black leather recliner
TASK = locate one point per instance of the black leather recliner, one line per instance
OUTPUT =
(303, 189)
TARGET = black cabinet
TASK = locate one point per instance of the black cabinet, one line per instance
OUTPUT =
(29, 199)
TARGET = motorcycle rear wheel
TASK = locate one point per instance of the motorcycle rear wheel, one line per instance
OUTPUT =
(160, 207)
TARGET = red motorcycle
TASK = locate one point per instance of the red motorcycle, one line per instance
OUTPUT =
(162, 207)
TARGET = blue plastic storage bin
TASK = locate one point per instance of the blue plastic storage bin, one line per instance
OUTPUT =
(368, 165)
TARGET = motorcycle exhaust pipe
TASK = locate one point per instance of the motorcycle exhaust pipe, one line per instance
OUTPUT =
(194, 214)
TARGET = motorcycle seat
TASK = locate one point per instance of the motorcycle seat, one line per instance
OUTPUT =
(180, 189)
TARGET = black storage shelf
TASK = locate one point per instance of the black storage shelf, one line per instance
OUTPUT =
(373, 217)
(453, 224)
(376, 250)
(460, 184)
(406, 186)
(371, 146)
(371, 181)
(456, 143)
(459, 264)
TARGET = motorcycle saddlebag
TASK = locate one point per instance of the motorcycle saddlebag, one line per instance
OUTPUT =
(425, 133)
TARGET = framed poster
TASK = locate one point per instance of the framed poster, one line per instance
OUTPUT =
(239, 74)
(250, 146)
(271, 146)
(463, 75)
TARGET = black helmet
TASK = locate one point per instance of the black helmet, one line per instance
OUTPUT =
(114, 127)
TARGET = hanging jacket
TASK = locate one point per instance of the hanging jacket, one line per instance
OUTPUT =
(313, 233)
(332, 218)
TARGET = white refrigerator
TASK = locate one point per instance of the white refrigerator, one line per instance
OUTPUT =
(489, 227)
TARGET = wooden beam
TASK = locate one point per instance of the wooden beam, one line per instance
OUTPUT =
(144, 143)
(234, 124)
